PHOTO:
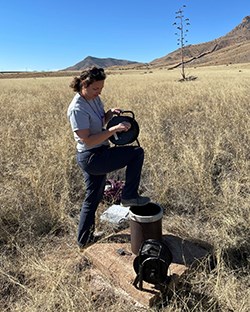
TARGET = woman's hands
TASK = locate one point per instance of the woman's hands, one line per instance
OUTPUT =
(123, 126)
(97, 138)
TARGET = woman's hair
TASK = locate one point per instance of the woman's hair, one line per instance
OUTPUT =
(88, 76)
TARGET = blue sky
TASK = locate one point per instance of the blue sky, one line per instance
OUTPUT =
(46, 35)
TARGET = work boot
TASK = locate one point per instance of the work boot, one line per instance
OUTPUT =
(138, 201)
(97, 236)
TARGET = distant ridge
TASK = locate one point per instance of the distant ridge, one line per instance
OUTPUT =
(233, 48)
(90, 61)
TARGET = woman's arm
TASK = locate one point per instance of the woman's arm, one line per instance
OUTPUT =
(94, 139)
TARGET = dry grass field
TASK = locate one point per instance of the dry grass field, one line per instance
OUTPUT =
(197, 164)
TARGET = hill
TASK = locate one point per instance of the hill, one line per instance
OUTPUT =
(232, 48)
(90, 61)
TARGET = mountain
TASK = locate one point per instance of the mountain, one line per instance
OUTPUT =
(90, 61)
(232, 48)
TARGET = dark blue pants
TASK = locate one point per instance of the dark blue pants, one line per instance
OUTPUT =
(95, 164)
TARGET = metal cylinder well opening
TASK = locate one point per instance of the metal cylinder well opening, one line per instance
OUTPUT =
(145, 223)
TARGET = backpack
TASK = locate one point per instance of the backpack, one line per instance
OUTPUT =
(113, 191)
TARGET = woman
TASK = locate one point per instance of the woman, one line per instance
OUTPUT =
(94, 155)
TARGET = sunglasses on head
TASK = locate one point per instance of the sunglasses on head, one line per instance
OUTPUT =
(96, 72)
(93, 73)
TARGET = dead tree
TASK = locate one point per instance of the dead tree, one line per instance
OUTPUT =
(181, 26)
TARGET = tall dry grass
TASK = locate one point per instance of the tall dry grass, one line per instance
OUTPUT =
(196, 141)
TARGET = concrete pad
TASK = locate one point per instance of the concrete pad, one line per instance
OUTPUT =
(114, 259)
